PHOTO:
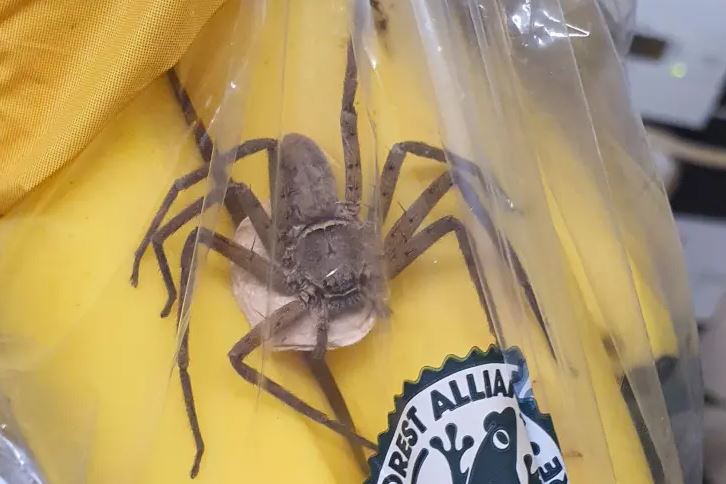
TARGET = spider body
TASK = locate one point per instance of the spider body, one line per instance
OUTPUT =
(321, 245)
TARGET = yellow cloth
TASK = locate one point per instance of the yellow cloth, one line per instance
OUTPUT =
(67, 66)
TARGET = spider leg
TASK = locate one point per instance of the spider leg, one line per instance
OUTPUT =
(245, 258)
(186, 384)
(157, 242)
(404, 228)
(398, 258)
(392, 168)
(260, 267)
(233, 203)
(255, 264)
(401, 246)
(323, 375)
(182, 361)
(503, 246)
(321, 339)
(243, 203)
(180, 184)
(458, 166)
(205, 148)
(277, 321)
(349, 131)
(204, 141)
(201, 136)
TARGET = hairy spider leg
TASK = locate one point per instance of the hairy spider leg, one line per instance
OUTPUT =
(204, 142)
(389, 179)
(349, 132)
(243, 257)
(179, 184)
(201, 136)
(392, 168)
(321, 371)
(277, 321)
(244, 204)
(402, 247)
(234, 205)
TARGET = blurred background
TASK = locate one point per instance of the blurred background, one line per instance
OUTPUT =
(676, 68)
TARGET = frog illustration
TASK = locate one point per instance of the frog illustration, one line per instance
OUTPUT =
(495, 461)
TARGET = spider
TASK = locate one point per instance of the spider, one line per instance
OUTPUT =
(322, 252)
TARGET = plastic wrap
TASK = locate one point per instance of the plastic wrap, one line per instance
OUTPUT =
(620, 20)
(574, 125)
(17, 464)
(401, 241)
(42, 442)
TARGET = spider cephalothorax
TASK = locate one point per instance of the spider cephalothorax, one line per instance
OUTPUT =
(321, 270)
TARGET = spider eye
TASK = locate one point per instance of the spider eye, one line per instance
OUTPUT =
(501, 439)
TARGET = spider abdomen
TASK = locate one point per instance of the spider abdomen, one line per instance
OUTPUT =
(304, 186)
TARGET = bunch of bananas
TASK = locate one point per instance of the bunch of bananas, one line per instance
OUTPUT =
(88, 364)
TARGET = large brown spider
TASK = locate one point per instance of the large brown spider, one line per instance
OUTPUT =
(321, 251)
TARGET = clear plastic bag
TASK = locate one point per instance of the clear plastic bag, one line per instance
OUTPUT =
(620, 20)
(574, 125)
(17, 464)
(402, 241)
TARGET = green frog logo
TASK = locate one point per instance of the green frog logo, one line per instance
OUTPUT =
(472, 421)
(496, 459)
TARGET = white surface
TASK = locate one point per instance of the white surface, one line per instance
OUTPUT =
(696, 38)
(704, 245)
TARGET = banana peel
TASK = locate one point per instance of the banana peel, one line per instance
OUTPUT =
(79, 336)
